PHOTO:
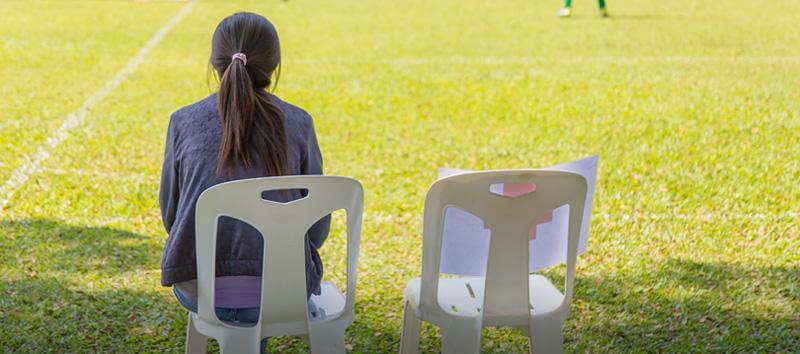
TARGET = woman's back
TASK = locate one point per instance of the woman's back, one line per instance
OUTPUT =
(191, 166)
(240, 132)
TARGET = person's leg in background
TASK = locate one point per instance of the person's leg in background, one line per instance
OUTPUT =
(566, 11)
(602, 5)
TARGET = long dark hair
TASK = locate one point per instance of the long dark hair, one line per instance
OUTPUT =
(252, 123)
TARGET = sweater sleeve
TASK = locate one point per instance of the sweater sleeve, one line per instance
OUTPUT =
(312, 165)
(168, 193)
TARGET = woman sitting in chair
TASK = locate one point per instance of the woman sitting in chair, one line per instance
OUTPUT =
(242, 131)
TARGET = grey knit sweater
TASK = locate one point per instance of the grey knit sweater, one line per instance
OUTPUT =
(190, 161)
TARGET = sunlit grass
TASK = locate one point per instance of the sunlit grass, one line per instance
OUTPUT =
(692, 109)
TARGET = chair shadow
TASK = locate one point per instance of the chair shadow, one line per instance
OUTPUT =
(646, 311)
(688, 305)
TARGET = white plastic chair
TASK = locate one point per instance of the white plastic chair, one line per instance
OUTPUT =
(508, 295)
(283, 289)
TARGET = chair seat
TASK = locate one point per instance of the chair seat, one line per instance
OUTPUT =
(464, 296)
(330, 302)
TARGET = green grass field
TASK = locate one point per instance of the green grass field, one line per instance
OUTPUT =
(693, 107)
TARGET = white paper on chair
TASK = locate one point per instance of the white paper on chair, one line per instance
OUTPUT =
(465, 239)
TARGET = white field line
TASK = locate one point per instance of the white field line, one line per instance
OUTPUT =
(538, 60)
(34, 162)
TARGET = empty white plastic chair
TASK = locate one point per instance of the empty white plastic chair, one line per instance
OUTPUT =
(508, 295)
(284, 308)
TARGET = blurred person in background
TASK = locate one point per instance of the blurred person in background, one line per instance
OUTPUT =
(566, 11)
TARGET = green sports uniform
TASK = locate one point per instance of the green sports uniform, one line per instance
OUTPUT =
(600, 3)
(566, 11)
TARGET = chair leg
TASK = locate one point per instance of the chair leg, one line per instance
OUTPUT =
(240, 341)
(326, 339)
(409, 339)
(196, 342)
(462, 337)
(545, 336)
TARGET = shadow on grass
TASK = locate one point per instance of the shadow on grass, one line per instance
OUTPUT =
(672, 306)
(688, 306)
(620, 17)
(637, 17)
(55, 295)
(35, 246)
(42, 314)
(48, 302)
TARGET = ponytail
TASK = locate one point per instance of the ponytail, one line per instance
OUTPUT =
(252, 124)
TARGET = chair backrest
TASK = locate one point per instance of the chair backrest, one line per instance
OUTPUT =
(283, 227)
(509, 219)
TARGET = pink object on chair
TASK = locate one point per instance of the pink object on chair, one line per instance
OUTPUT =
(519, 189)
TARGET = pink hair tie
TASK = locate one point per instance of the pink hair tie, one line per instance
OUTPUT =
(241, 57)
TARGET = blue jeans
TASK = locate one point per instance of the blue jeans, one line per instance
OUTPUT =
(242, 315)
(235, 316)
